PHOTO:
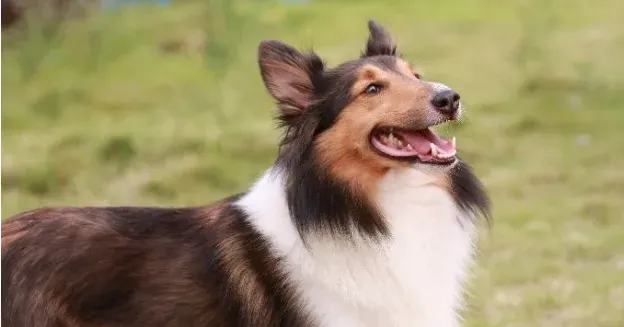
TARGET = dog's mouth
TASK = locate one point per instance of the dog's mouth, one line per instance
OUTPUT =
(423, 145)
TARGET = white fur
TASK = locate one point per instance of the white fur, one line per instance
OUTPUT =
(412, 279)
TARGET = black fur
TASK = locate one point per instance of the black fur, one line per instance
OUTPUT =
(468, 192)
(380, 42)
(320, 203)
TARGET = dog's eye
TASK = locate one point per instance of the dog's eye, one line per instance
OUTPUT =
(373, 89)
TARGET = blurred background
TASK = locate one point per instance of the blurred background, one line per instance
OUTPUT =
(161, 103)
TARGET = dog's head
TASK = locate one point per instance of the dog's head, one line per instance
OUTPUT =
(357, 121)
(376, 109)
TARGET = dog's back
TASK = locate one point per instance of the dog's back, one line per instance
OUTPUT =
(140, 267)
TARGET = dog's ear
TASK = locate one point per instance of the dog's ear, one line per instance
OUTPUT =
(379, 41)
(289, 77)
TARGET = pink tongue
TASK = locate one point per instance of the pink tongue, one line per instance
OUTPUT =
(420, 141)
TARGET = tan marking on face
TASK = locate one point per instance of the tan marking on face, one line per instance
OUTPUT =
(404, 102)
(405, 68)
(349, 161)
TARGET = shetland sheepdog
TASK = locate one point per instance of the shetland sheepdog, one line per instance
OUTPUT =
(367, 218)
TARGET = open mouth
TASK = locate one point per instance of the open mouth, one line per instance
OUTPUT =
(423, 145)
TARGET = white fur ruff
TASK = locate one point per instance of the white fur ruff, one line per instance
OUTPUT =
(413, 278)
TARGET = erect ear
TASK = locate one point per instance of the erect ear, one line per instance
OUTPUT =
(288, 76)
(379, 41)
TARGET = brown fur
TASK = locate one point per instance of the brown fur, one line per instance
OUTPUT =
(141, 267)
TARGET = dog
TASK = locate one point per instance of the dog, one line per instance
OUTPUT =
(366, 218)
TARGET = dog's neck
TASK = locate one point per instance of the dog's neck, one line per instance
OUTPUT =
(414, 274)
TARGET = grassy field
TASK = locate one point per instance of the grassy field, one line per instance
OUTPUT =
(165, 106)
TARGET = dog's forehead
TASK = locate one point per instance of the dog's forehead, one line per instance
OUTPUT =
(385, 64)
(388, 63)
(359, 67)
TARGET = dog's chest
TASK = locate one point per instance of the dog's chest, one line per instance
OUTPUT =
(411, 279)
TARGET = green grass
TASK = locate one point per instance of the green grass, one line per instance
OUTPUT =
(138, 108)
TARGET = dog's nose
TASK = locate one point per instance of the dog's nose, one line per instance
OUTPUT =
(446, 102)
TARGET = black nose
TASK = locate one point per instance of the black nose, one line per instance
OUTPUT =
(446, 102)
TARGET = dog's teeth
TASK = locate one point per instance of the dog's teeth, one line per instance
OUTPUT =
(409, 147)
(434, 149)
(401, 144)
(394, 141)
(454, 142)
